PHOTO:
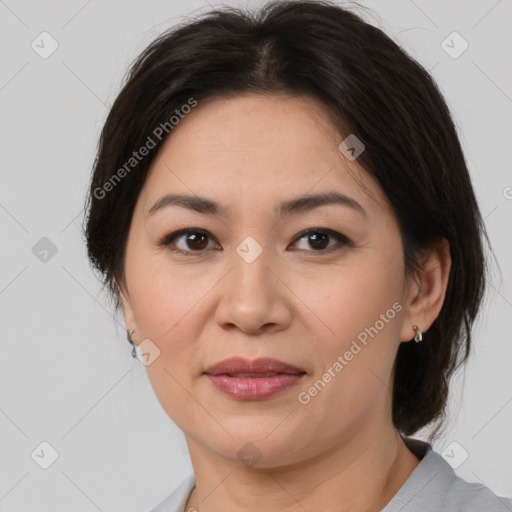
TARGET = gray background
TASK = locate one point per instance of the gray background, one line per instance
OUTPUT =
(66, 374)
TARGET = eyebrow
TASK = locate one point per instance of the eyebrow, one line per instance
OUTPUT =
(291, 207)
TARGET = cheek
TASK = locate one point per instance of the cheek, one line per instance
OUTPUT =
(360, 309)
(351, 299)
(165, 314)
(163, 296)
(163, 308)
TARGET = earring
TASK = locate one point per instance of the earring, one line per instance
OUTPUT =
(419, 334)
(129, 337)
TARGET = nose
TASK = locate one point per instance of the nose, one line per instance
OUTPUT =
(253, 298)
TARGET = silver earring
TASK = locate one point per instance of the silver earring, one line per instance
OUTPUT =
(419, 334)
(129, 337)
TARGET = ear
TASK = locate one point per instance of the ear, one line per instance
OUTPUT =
(129, 317)
(426, 290)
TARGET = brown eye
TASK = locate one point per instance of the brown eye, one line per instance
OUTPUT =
(318, 239)
(187, 241)
(196, 241)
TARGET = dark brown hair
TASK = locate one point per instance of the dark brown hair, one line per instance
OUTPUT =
(372, 89)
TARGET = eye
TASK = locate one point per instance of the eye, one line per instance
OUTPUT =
(193, 240)
(196, 240)
(318, 238)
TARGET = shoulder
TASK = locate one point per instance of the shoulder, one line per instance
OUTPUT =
(465, 496)
(176, 501)
(434, 487)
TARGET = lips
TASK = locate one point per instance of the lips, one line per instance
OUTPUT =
(254, 388)
(239, 367)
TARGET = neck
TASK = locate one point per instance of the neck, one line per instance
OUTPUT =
(364, 474)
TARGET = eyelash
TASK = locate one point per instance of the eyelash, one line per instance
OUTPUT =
(167, 240)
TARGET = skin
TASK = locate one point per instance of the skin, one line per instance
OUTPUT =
(295, 303)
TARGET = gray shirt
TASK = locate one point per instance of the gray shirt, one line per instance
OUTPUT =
(432, 487)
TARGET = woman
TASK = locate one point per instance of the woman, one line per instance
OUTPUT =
(282, 208)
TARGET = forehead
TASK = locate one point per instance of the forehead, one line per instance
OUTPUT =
(259, 148)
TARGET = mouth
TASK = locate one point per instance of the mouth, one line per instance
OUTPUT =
(255, 387)
(260, 379)
(255, 375)
(239, 367)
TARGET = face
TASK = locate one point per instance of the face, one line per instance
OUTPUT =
(248, 280)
